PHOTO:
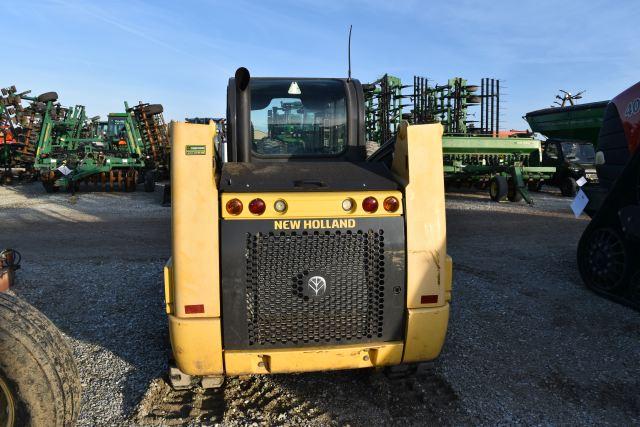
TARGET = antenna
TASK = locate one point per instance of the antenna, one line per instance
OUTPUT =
(349, 52)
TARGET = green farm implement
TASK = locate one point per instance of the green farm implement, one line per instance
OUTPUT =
(155, 139)
(18, 130)
(575, 122)
(509, 167)
(70, 152)
(473, 154)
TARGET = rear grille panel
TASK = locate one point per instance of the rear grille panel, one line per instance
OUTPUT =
(271, 301)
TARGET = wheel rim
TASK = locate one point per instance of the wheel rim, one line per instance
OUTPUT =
(7, 406)
(493, 189)
(604, 260)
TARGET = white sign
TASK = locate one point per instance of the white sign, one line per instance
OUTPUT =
(579, 203)
(64, 170)
(582, 181)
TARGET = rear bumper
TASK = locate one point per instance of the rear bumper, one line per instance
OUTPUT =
(425, 335)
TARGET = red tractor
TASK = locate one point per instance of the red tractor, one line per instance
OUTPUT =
(609, 249)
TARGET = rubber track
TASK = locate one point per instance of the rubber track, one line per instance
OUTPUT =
(164, 406)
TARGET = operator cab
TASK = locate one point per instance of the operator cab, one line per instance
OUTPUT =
(573, 159)
(316, 123)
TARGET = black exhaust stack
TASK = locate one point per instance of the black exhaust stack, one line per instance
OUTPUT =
(243, 115)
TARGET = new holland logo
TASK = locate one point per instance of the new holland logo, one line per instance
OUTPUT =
(313, 224)
(318, 285)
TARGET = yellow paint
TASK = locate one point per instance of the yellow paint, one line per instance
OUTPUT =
(168, 287)
(426, 330)
(197, 345)
(192, 275)
(311, 204)
(417, 163)
(194, 221)
(324, 358)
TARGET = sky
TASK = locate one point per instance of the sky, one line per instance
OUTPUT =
(181, 53)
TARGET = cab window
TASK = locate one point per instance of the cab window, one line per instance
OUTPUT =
(298, 117)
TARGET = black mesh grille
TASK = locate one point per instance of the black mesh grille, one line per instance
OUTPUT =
(282, 309)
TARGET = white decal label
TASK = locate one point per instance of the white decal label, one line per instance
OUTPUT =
(64, 170)
(579, 203)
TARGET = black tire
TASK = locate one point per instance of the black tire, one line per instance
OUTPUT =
(153, 109)
(513, 195)
(604, 259)
(37, 367)
(568, 187)
(149, 182)
(498, 188)
(48, 96)
(534, 186)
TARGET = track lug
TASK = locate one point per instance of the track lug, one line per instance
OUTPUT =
(212, 381)
(178, 379)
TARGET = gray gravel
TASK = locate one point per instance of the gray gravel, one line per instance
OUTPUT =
(527, 342)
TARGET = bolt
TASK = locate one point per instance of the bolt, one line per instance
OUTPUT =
(261, 364)
(365, 358)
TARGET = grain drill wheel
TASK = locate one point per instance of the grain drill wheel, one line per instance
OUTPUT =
(534, 185)
(513, 194)
(604, 259)
(498, 188)
(39, 383)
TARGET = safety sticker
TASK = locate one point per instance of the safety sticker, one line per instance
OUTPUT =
(195, 150)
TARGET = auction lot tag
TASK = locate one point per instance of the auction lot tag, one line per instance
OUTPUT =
(579, 203)
(195, 150)
(64, 170)
(582, 181)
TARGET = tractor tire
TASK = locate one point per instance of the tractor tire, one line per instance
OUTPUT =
(48, 96)
(39, 383)
(153, 109)
(604, 259)
(498, 188)
(149, 182)
(568, 187)
(513, 195)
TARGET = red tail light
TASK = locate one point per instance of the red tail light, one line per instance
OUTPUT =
(257, 206)
(370, 204)
(234, 207)
(194, 309)
(391, 204)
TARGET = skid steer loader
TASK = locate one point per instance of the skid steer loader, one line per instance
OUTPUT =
(296, 254)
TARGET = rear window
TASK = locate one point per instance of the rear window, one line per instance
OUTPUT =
(298, 117)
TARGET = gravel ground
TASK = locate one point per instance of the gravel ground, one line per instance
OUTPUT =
(527, 342)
